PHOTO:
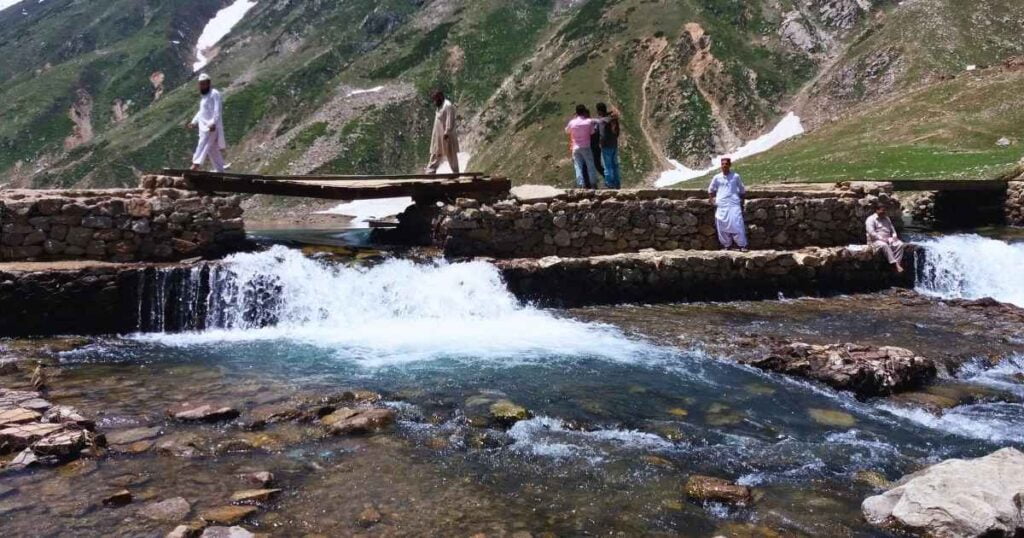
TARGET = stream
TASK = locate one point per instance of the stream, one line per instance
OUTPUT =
(626, 402)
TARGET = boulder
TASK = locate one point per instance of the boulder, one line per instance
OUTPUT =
(346, 420)
(203, 413)
(864, 370)
(227, 515)
(707, 488)
(175, 509)
(956, 498)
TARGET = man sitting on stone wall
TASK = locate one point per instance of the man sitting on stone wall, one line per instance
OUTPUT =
(882, 236)
(727, 193)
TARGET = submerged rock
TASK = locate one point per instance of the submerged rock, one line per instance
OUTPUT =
(346, 420)
(506, 413)
(864, 370)
(977, 497)
(118, 498)
(369, 517)
(203, 413)
(227, 532)
(260, 479)
(707, 488)
(254, 495)
(831, 417)
(175, 509)
(127, 437)
(227, 515)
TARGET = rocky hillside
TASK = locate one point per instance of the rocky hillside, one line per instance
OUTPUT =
(95, 92)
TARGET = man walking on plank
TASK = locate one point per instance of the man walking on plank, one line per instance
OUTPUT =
(727, 193)
(444, 142)
(210, 122)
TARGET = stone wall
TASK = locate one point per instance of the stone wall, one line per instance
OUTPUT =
(586, 223)
(1015, 204)
(674, 276)
(117, 224)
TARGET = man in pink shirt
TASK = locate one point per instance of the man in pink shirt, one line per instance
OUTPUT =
(580, 129)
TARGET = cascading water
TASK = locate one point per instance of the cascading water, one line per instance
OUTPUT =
(972, 267)
(393, 312)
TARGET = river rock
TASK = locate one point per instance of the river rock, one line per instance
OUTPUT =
(62, 444)
(19, 415)
(369, 517)
(175, 509)
(261, 479)
(118, 498)
(864, 370)
(707, 488)
(227, 532)
(14, 398)
(191, 530)
(125, 437)
(21, 436)
(253, 495)
(228, 514)
(506, 413)
(65, 414)
(956, 498)
(346, 420)
(203, 413)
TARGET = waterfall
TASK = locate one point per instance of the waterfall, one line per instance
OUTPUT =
(398, 310)
(972, 267)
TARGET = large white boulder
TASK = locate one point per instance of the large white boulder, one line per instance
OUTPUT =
(956, 498)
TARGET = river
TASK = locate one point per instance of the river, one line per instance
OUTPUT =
(626, 402)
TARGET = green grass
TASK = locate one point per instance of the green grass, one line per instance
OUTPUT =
(391, 139)
(945, 131)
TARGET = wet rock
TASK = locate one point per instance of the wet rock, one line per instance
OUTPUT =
(706, 488)
(487, 439)
(20, 415)
(62, 444)
(118, 498)
(36, 404)
(506, 413)
(192, 530)
(369, 517)
(126, 437)
(21, 436)
(227, 532)
(874, 479)
(235, 445)
(175, 509)
(719, 414)
(180, 445)
(254, 495)
(261, 479)
(65, 414)
(26, 458)
(228, 514)
(346, 420)
(864, 370)
(203, 413)
(14, 398)
(831, 417)
(977, 497)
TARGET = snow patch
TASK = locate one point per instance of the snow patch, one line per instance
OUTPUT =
(4, 4)
(362, 211)
(218, 27)
(368, 90)
(789, 127)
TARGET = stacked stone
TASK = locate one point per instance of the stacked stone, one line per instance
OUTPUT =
(117, 225)
(699, 275)
(922, 207)
(1015, 204)
(588, 223)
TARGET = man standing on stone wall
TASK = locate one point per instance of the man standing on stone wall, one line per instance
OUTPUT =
(727, 193)
(210, 122)
(444, 142)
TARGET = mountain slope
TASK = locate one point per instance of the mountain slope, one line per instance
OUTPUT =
(339, 87)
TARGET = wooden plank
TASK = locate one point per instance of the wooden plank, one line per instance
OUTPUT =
(958, 185)
(325, 177)
(353, 191)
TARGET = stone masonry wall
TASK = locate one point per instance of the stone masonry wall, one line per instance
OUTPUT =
(1015, 204)
(586, 223)
(158, 224)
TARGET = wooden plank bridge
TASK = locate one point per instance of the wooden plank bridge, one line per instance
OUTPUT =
(343, 187)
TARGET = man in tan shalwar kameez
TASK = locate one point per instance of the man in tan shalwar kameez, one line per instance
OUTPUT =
(882, 236)
(444, 142)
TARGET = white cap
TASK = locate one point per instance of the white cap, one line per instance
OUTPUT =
(204, 77)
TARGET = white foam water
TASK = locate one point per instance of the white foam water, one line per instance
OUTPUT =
(972, 267)
(395, 312)
(998, 422)
(547, 437)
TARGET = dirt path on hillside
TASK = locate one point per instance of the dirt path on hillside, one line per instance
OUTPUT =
(662, 163)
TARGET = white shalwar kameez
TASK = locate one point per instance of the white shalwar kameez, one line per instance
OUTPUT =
(211, 142)
(729, 192)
